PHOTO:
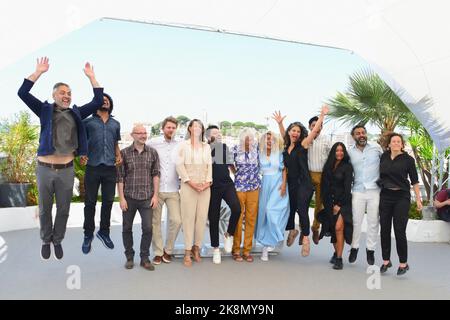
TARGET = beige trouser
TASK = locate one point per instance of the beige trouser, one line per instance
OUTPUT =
(172, 201)
(194, 213)
(316, 178)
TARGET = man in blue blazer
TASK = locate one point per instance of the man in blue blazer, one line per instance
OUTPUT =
(62, 138)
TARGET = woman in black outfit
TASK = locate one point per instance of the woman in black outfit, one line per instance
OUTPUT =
(300, 187)
(336, 218)
(395, 200)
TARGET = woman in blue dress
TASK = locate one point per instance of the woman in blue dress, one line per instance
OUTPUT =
(273, 212)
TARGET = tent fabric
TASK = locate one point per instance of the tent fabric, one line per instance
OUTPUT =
(405, 41)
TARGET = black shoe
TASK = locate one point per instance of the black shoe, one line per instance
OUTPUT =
(129, 264)
(385, 267)
(353, 255)
(147, 265)
(45, 251)
(401, 271)
(58, 253)
(86, 248)
(105, 239)
(370, 257)
(333, 258)
(338, 265)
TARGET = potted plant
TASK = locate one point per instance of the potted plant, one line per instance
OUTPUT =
(18, 145)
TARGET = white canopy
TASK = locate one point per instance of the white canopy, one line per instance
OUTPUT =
(405, 41)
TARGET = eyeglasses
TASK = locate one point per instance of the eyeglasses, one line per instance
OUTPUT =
(139, 133)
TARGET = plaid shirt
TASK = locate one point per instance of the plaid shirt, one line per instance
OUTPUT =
(137, 172)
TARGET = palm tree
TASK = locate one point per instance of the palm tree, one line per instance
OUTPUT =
(369, 100)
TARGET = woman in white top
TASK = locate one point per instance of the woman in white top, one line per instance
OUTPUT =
(194, 165)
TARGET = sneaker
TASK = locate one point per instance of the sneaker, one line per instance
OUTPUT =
(370, 257)
(86, 247)
(270, 249)
(129, 264)
(58, 251)
(157, 260)
(45, 251)
(353, 255)
(228, 244)
(106, 240)
(265, 254)
(217, 259)
(147, 265)
(166, 258)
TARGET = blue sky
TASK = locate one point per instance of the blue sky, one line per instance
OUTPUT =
(155, 71)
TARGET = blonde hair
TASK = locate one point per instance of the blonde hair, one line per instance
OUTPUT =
(277, 142)
(247, 132)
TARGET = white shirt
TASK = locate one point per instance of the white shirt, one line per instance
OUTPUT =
(167, 152)
(366, 166)
(318, 153)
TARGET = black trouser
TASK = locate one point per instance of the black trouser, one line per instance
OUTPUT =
(394, 206)
(299, 199)
(146, 212)
(227, 193)
(104, 176)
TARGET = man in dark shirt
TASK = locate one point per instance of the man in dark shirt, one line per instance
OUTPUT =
(103, 134)
(62, 138)
(221, 189)
(138, 185)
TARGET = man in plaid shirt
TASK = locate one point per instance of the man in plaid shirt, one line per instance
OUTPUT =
(138, 184)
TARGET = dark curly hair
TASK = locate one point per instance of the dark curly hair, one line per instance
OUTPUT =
(328, 168)
(303, 134)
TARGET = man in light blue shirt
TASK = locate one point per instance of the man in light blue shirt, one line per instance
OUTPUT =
(365, 158)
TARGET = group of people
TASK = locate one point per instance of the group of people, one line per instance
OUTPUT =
(275, 178)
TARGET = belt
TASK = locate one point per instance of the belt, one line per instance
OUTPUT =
(55, 165)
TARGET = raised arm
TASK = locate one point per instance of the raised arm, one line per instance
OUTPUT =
(42, 66)
(91, 107)
(279, 119)
(313, 134)
(89, 72)
(31, 101)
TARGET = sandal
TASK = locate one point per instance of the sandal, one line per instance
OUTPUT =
(248, 258)
(237, 257)
(196, 253)
(187, 260)
(291, 237)
(305, 247)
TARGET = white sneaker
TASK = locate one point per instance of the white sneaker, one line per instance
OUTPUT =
(217, 258)
(270, 249)
(265, 254)
(228, 244)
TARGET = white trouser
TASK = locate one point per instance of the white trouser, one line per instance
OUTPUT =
(369, 201)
